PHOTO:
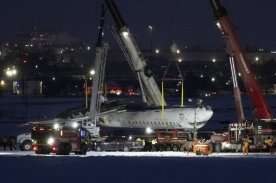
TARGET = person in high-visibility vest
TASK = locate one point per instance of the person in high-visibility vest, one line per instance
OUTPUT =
(269, 144)
(245, 145)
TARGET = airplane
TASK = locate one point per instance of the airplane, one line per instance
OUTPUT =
(154, 118)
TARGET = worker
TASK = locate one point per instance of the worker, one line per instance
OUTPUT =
(245, 145)
(269, 144)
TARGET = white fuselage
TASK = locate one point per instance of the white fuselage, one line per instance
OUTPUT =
(186, 118)
(171, 118)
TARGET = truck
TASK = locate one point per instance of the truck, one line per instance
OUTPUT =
(264, 125)
(61, 139)
(257, 132)
(24, 141)
(171, 140)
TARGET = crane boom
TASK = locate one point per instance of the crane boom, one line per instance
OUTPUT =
(225, 25)
(99, 64)
(135, 58)
(236, 90)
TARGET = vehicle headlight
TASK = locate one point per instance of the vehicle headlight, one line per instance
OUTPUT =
(50, 141)
(75, 125)
(149, 130)
(56, 126)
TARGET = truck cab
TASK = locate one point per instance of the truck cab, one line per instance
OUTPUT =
(59, 139)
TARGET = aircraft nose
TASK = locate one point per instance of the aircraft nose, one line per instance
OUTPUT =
(209, 112)
(206, 113)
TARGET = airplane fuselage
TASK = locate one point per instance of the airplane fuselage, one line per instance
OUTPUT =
(170, 118)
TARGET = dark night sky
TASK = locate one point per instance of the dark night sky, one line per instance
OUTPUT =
(186, 22)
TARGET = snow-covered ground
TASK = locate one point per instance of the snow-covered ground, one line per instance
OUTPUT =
(146, 154)
(137, 167)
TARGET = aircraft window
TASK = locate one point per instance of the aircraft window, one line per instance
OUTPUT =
(89, 124)
(84, 124)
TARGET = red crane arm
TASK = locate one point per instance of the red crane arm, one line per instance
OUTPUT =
(262, 110)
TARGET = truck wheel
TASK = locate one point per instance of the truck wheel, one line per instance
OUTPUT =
(83, 149)
(175, 148)
(98, 149)
(26, 145)
(126, 149)
(218, 147)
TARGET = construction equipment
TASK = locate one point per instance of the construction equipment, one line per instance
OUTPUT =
(225, 25)
(264, 126)
(150, 90)
(236, 91)
(58, 138)
(99, 64)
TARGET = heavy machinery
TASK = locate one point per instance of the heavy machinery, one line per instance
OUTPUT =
(155, 114)
(61, 139)
(264, 125)
(225, 25)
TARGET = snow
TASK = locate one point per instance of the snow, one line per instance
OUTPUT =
(146, 154)
(137, 167)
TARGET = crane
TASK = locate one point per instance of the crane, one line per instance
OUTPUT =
(150, 90)
(225, 25)
(98, 79)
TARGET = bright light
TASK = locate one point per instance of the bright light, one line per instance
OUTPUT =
(125, 34)
(11, 72)
(88, 48)
(130, 137)
(214, 60)
(50, 141)
(118, 92)
(75, 125)
(213, 79)
(201, 76)
(2, 83)
(36, 66)
(53, 78)
(92, 72)
(149, 130)
(178, 51)
(157, 51)
(56, 126)
(180, 60)
(150, 27)
(218, 25)
(257, 59)
(239, 74)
